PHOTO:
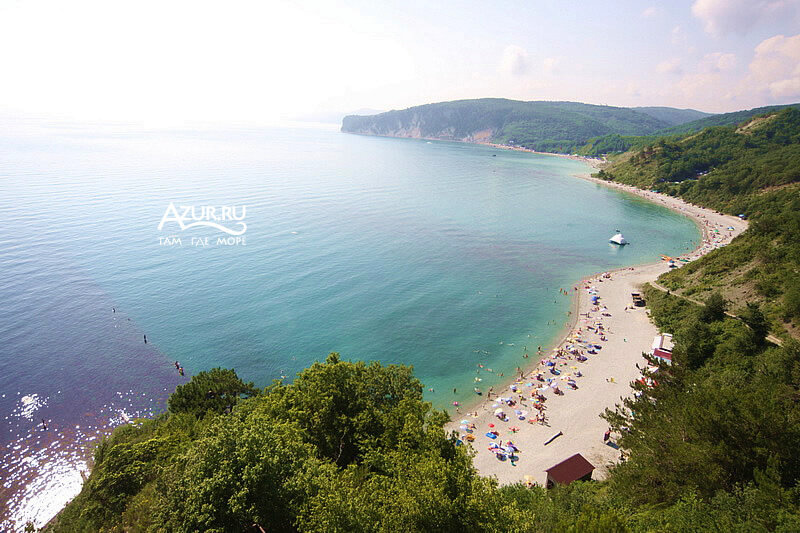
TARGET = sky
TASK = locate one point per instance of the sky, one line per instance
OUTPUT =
(173, 61)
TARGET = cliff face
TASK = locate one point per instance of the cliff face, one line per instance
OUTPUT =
(549, 126)
(418, 124)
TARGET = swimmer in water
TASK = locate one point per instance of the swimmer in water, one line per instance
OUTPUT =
(44, 424)
(145, 339)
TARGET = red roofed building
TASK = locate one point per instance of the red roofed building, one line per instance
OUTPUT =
(576, 468)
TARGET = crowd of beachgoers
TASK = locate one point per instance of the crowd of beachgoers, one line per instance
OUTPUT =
(525, 400)
(551, 410)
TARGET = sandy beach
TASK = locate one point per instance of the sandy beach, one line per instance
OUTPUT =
(587, 387)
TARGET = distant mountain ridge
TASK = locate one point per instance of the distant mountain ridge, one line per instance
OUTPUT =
(539, 125)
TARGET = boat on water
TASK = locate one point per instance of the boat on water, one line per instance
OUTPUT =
(618, 239)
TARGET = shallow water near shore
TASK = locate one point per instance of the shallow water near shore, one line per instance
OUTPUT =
(439, 255)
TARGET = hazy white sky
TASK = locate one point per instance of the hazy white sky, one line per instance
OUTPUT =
(169, 61)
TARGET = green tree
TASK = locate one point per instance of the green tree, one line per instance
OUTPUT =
(243, 471)
(791, 302)
(715, 307)
(216, 391)
(755, 320)
(349, 408)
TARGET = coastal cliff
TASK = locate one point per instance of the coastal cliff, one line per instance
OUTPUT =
(561, 127)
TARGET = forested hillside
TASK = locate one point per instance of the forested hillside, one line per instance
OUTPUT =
(672, 116)
(609, 144)
(751, 169)
(544, 126)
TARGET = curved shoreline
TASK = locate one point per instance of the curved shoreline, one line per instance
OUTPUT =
(628, 333)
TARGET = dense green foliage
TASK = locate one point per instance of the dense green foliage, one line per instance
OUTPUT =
(723, 119)
(217, 391)
(346, 447)
(351, 447)
(721, 422)
(561, 127)
(732, 161)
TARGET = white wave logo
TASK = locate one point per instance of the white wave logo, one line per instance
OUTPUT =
(205, 215)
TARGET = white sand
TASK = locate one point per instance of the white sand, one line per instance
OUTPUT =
(576, 412)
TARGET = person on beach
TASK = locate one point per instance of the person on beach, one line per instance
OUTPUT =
(606, 435)
(180, 371)
(177, 366)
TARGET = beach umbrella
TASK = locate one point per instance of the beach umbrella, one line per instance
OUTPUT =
(518, 411)
(465, 421)
(491, 425)
(498, 411)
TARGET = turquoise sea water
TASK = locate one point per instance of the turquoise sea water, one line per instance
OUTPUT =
(440, 255)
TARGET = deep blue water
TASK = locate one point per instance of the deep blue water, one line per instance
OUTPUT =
(441, 255)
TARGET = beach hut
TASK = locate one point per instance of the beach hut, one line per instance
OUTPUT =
(663, 341)
(662, 354)
(575, 468)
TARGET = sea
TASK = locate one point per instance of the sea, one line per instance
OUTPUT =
(440, 255)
